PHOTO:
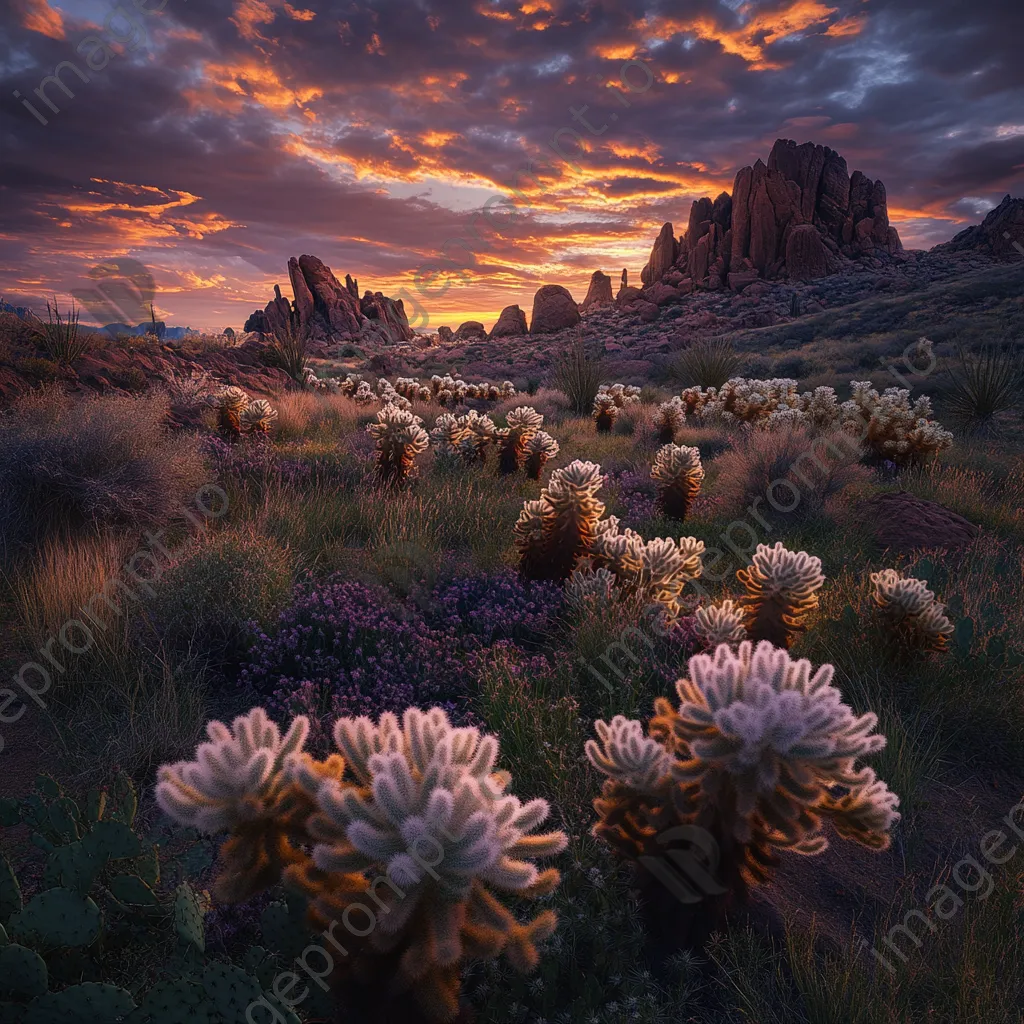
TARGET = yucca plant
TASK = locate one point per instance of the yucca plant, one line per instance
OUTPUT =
(577, 372)
(400, 438)
(539, 449)
(706, 364)
(60, 337)
(781, 593)
(289, 347)
(523, 424)
(982, 385)
(413, 812)
(757, 754)
(678, 472)
(911, 617)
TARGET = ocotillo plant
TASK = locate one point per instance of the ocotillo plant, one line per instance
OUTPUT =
(678, 473)
(781, 592)
(400, 438)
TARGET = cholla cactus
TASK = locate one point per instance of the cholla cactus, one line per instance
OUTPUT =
(719, 624)
(591, 590)
(757, 754)
(351, 384)
(891, 427)
(240, 782)
(389, 396)
(556, 530)
(649, 573)
(671, 419)
(679, 474)
(363, 394)
(912, 617)
(621, 394)
(523, 424)
(539, 449)
(605, 412)
(229, 403)
(432, 814)
(507, 390)
(480, 434)
(781, 593)
(400, 438)
(820, 408)
(258, 416)
(445, 437)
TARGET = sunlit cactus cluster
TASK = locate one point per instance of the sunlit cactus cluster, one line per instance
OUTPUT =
(522, 424)
(540, 449)
(258, 416)
(451, 391)
(911, 616)
(238, 414)
(781, 593)
(414, 808)
(670, 419)
(717, 624)
(759, 752)
(679, 474)
(892, 426)
(400, 438)
(610, 399)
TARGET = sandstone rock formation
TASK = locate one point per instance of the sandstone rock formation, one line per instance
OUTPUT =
(445, 335)
(796, 217)
(471, 330)
(331, 311)
(1007, 219)
(553, 310)
(599, 293)
(510, 324)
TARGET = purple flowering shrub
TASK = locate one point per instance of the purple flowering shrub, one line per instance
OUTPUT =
(498, 606)
(256, 460)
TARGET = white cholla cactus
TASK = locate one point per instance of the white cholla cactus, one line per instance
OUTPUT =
(629, 757)
(400, 438)
(539, 449)
(671, 419)
(784, 739)
(678, 472)
(591, 590)
(621, 394)
(781, 591)
(234, 777)
(508, 389)
(363, 394)
(910, 610)
(605, 412)
(891, 426)
(820, 408)
(719, 624)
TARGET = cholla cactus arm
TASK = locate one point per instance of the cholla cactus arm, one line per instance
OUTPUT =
(400, 438)
(719, 624)
(678, 472)
(626, 755)
(539, 449)
(781, 592)
(909, 612)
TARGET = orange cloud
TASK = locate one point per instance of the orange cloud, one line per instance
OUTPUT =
(248, 15)
(39, 16)
(297, 14)
(848, 26)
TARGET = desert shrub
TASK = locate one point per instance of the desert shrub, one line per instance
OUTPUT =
(211, 596)
(706, 364)
(72, 466)
(789, 469)
(39, 370)
(577, 373)
(60, 337)
(981, 385)
(781, 593)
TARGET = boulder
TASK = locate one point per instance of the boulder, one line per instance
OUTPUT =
(599, 293)
(648, 311)
(471, 330)
(512, 323)
(902, 523)
(806, 255)
(663, 256)
(628, 297)
(257, 323)
(445, 336)
(738, 280)
(335, 309)
(661, 294)
(554, 309)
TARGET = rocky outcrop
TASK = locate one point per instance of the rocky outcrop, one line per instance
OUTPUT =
(257, 323)
(445, 336)
(996, 233)
(663, 255)
(766, 227)
(510, 324)
(599, 293)
(471, 330)
(386, 316)
(554, 309)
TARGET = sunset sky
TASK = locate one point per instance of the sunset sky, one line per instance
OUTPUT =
(224, 136)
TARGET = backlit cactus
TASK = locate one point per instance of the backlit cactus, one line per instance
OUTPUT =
(363, 394)
(400, 438)
(523, 424)
(718, 624)
(605, 412)
(678, 473)
(258, 416)
(556, 530)
(758, 753)
(229, 403)
(912, 617)
(670, 420)
(781, 592)
(539, 449)
(649, 573)
(479, 434)
(893, 428)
